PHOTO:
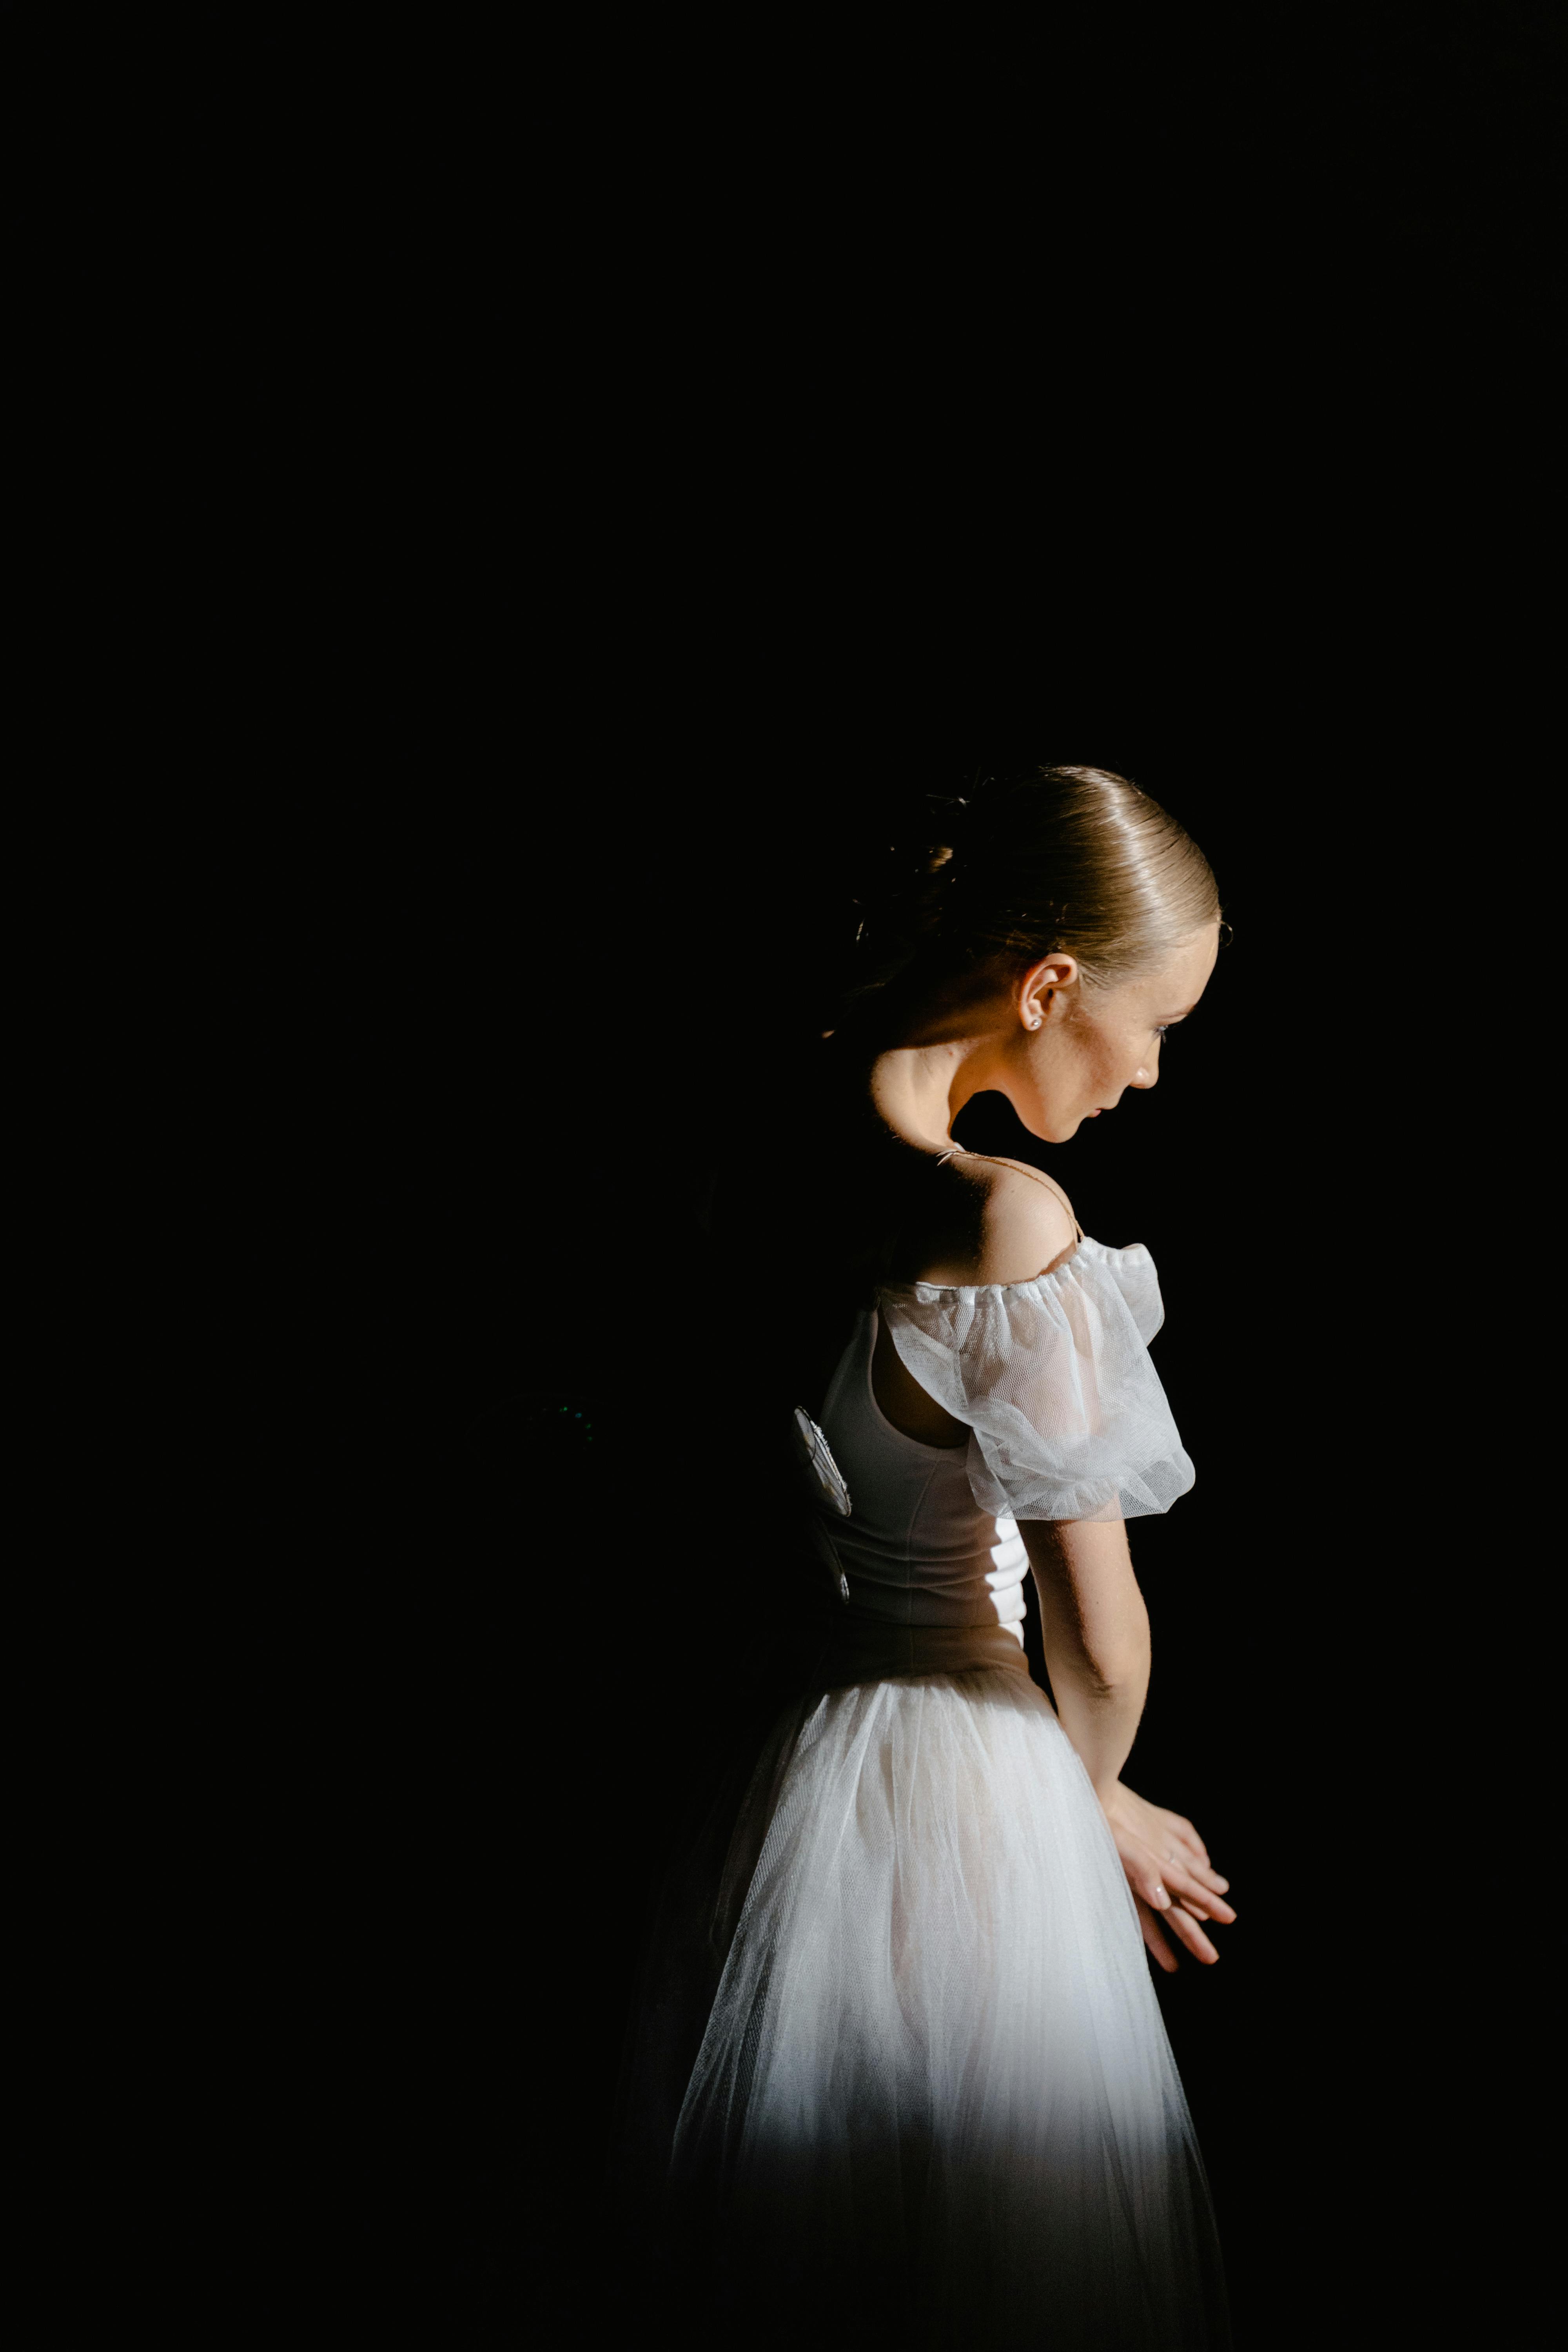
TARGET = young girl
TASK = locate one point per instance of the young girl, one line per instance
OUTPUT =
(933, 2102)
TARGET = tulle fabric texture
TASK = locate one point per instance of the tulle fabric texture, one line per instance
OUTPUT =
(934, 2104)
(1053, 1376)
(915, 2088)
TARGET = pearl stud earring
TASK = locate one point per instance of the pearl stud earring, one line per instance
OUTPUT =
(1036, 1022)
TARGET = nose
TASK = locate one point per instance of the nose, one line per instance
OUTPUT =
(1147, 1079)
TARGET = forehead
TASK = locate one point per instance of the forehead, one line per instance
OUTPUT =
(1184, 975)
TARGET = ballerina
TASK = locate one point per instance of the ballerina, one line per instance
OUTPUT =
(933, 2102)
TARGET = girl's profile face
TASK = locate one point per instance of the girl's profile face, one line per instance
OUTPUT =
(1088, 1048)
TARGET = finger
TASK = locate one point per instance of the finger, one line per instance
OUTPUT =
(1173, 1881)
(1188, 1887)
(1181, 1924)
(1192, 1855)
(1153, 1938)
(1145, 1876)
(1160, 1887)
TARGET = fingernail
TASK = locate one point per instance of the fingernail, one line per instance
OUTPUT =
(1161, 1898)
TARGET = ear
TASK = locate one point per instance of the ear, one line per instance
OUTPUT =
(1040, 997)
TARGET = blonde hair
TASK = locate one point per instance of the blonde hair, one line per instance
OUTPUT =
(1071, 858)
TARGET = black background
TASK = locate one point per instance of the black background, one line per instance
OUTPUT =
(544, 1614)
(610, 671)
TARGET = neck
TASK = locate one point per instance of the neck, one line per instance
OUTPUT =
(919, 1090)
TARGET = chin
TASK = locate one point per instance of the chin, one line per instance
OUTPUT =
(1049, 1129)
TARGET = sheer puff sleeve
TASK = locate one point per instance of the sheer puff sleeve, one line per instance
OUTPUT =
(1067, 1415)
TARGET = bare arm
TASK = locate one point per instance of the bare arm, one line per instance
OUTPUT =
(1096, 1633)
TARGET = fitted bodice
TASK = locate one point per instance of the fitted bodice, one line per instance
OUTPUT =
(918, 1549)
(1067, 1420)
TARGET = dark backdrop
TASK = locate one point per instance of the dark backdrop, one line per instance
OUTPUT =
(543, 1623)
(622, 651)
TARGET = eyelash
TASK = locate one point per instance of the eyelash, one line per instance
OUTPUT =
(1164, 1028)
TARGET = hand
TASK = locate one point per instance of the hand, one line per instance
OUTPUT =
(1168, 1869)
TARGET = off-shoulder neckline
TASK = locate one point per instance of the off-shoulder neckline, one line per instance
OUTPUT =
(974, 1289)
(894, 1290)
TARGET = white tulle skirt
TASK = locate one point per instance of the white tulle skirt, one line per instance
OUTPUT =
(933, 2102)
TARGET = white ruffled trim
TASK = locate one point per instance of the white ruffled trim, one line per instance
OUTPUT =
(1054, 1378)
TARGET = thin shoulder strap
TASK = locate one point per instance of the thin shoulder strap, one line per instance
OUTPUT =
(958, 1152)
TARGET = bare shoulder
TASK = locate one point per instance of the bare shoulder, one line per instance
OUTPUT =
(1021, 1224)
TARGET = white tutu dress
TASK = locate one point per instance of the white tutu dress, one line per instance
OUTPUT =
(934, 2102)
